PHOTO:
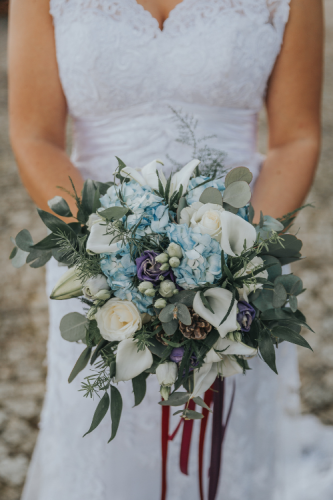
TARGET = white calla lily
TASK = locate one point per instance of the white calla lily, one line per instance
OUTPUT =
(219, 300)
(228, 367)
(148, 175)
(100, 242)
(130, 362)
(228, 347)
(235, 231)
(203, 378)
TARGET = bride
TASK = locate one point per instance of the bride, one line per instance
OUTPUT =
(117, 67)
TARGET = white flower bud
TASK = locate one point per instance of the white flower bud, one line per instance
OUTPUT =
(145, 285)
(103, 295)
(175, 291)
(165, 392)
(162, 258)
(161, 278)
(175, 250)
(68, 286)
(160, 303)
(167, 288)
(174, 262)
(166, 373)
(94, 285)
(150, 292)
(165, 267)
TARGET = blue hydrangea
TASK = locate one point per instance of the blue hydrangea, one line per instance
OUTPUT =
(195, 192)
(201, 261)
(120, 269)
(147, 207)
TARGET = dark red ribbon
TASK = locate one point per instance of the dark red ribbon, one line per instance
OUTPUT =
(218, 432)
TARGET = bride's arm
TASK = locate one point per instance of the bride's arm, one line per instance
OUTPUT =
(37, 104)
(293, 108)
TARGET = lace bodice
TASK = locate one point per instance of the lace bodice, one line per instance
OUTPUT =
(112, 53)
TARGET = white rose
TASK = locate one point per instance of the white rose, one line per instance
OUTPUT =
(94, 285)
(166, 373)
(253, 265)
(118, 319)
(206, 217)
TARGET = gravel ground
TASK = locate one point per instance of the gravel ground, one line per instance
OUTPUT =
(23, 304)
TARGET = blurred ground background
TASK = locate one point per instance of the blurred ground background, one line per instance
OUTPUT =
(23, 305)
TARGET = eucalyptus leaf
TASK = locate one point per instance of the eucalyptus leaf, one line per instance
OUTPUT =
(275, 270)
(211, 195)
(238, 174)
(237, 194)
(230, 208)
(171, 327)
(113, 213)
(13, 253)
(116, 409)
(183, 314)
(167, 313)
(199, 401)
(293, 284)
(193, 415)
(267, 350)
(176, 399)
(279, 295)
(73, 327)
(103, 186)
(251, 213)
(100, 412)
(289, 260)
(38, 258)
(20, 258)
(80, 364)
(263, 299)
(24, 240)
(274, 314)
(185, 297)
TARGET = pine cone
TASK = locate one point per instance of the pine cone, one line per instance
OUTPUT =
(198, 329)
(160, 336)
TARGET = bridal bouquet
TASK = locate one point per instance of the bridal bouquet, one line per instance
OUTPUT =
(177, 281)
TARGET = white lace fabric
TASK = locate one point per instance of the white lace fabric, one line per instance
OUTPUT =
(120, 73)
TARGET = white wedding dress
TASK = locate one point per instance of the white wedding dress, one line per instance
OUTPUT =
(121, 74)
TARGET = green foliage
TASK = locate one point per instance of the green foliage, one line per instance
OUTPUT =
(211, 195)
(267, 350)
(93, 335)
(237, 194)
(139, 387)
(238, 174)
(60, 207)
(100, 412)
(80, 364)
(176, 399)
(116, 409)
(73, 327)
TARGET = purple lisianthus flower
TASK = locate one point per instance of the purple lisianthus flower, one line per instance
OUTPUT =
(177, 354)
(245, 316)
(150, 270)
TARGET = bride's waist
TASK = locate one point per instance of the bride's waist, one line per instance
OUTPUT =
(139, 133)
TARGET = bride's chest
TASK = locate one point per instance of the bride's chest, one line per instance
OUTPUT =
(112, 55)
